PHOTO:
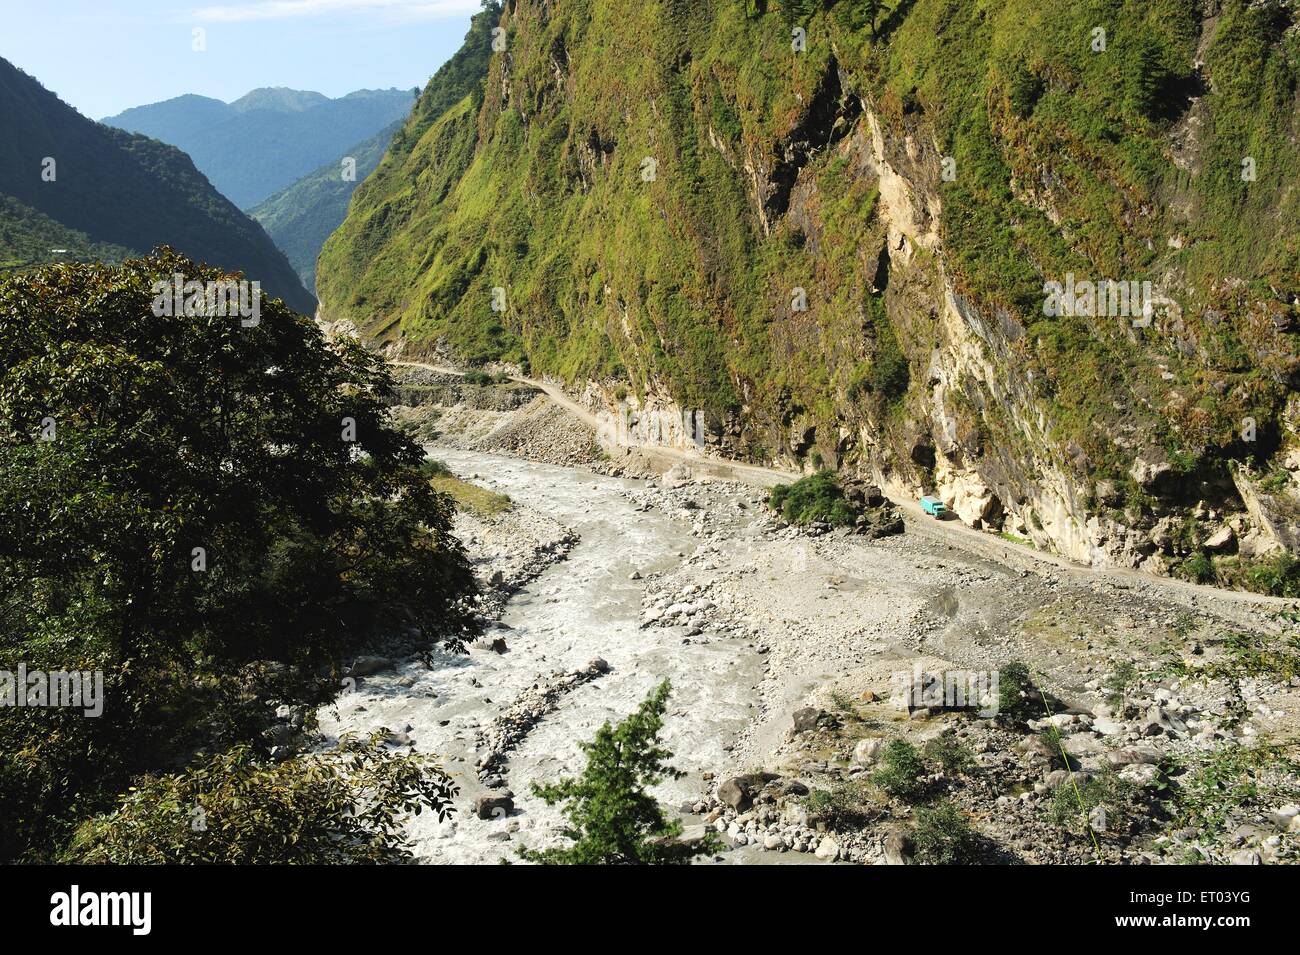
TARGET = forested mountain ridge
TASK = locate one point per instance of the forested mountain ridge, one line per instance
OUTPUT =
(827, 231)
(284, 134)
(301, 217)
(99, 192)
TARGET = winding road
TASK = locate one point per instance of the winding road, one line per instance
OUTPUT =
(951, 531)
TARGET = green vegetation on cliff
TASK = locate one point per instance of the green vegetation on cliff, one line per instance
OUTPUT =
(679, 196)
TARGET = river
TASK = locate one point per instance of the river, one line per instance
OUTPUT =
(579, 609)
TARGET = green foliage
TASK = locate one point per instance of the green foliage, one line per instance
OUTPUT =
(902, 770)
(849, 804)
(28, 238)
(949, 753)
(1117, 685)
(817, 497)
(1017, 695)
(115, 191)
(613, 819)
(346, 806)
(300, 217)
(1222, 785)
(683, 282)
(1073, 804)
(177, 433)
(942, 835)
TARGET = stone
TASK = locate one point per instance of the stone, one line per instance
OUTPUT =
(867, 751)
(1129, 755)
(828, 849)
(735, 793)
(806, 719)
(1222, 539)
(1034, 745)
(898, 848)
(1142, 775)
(493, 807)
(366, 665)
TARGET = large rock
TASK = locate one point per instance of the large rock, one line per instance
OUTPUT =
(1133, 755)
(735, 792)
(366, 665)
(493, 807)
(806, 719)
(867, 751)
(828, 849)
(1153, 472)
(898, 847)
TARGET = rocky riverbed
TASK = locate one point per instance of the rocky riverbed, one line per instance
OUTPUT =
(1165, 729)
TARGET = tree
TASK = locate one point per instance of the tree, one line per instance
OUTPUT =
(210, 513)
(613, 820)
(344, 806)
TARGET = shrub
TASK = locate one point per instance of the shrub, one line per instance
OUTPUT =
(346, 806)
(1016, 694)
(846, 805)
(1074, 804)
(213, 498)
(901, 770)
(952, 756)
(942, 835)
(817, 497)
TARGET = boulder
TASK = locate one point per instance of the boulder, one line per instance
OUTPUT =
(366, 665)
(735, 792)
(898, 847)
(1131, 755)
(828, 849)
(1222, 539)
(494, 806)
(867, 751)
(806, 718)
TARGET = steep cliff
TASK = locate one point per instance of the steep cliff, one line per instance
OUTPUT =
(870, 237)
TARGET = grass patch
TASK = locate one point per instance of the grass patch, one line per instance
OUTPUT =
(1096, 802)
(469, 497)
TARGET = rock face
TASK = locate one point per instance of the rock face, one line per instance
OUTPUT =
(912, 340)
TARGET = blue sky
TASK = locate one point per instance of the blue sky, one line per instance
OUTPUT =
(103, 56)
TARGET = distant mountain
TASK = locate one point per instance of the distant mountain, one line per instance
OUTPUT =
(114, 193)
(302, 217)
(268, 139)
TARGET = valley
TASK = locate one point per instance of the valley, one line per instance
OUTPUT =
(787, 650)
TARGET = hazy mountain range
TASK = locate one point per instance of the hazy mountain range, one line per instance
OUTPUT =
(265, 141)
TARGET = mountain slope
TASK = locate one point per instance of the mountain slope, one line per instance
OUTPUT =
(283, 134)
(843, 254)
(116, 189)
(300, 218)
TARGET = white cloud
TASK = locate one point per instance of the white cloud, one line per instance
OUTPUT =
(289, 9)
